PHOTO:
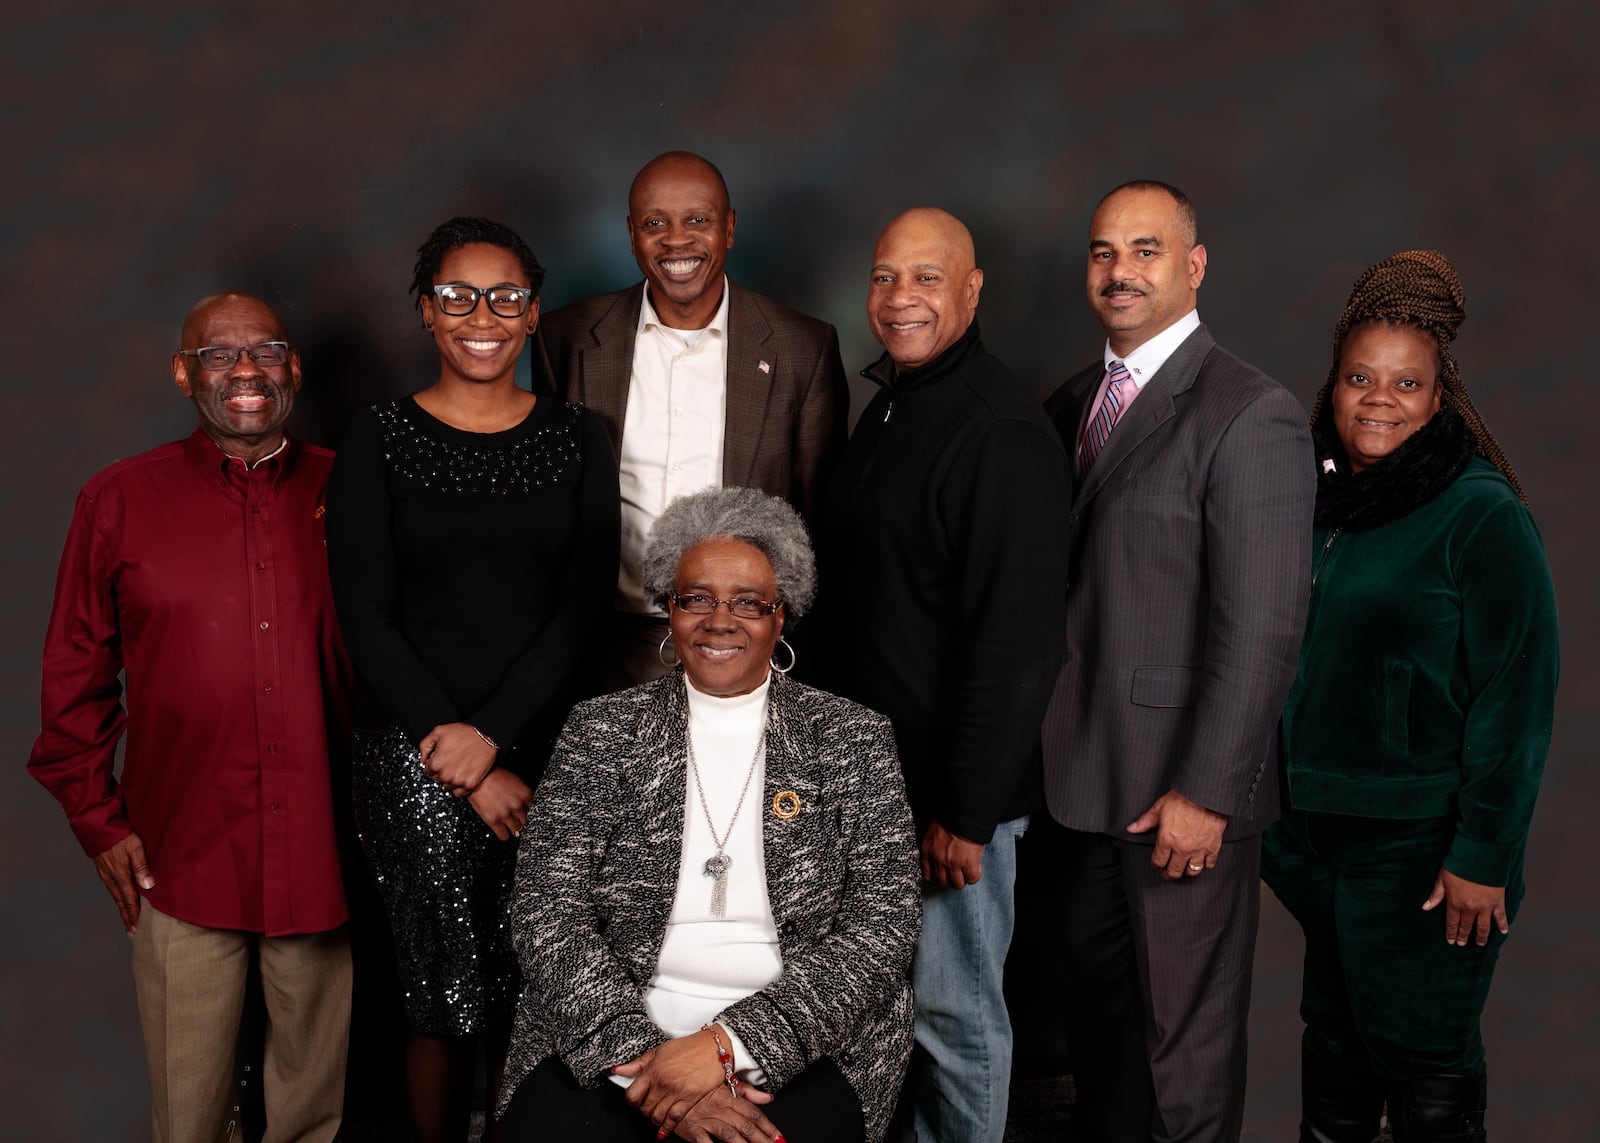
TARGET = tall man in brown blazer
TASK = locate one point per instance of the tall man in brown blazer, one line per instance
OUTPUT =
(698, 381)
(1190, 532)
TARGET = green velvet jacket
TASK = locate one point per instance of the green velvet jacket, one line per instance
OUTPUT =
(1428, 672)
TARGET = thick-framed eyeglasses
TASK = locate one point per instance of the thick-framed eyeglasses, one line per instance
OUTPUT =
(741, 608)
(263, 353)
(459, 300)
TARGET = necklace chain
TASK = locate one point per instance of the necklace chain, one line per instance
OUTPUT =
(694, 769)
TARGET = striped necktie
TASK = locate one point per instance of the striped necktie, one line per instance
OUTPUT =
(1105, 416)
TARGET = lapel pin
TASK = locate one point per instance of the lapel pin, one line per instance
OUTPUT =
(786, 804)
(764, 367)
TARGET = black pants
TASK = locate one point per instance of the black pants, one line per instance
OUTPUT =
(817, 1106)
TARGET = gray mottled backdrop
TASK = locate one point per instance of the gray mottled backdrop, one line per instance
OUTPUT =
(156, 153)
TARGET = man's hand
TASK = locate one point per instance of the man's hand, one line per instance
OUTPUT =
(502, 800)
(722, 1115)
(125, 871)
(949, 859)
(456, 756)
(1189, 836)
(673, 1077)
(1469, 907)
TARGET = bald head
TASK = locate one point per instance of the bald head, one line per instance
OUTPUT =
(677, 165)
(232, 301)
(923, 292)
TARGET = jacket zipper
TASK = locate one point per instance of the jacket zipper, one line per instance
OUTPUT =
(1326, 544)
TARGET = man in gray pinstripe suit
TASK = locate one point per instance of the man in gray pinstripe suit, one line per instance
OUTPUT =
(1190, 532)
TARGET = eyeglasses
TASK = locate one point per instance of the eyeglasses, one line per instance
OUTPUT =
(459, 300)
(744, 608)
(267, 353)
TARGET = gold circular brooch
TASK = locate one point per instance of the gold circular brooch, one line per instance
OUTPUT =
(786, 804)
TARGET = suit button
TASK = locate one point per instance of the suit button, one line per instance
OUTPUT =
(844, 1057)
(788, 927)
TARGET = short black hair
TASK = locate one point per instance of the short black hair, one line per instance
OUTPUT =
(1186, 211)
(463, 231)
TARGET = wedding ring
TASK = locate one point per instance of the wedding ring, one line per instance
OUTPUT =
(1193, 868)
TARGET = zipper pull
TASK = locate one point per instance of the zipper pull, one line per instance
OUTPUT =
(889, 412)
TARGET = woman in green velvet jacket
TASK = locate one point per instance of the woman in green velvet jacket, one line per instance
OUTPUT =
(1417, 728)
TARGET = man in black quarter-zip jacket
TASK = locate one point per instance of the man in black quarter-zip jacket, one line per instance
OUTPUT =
(944, 575)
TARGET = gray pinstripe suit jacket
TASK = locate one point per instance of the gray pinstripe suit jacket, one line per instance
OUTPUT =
(598, 871)
(785, 423)
(1191, 542)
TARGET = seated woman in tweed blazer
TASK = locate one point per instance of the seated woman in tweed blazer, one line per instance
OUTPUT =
(716, 897)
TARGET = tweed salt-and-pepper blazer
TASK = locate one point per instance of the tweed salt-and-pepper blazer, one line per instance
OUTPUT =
(597, 873)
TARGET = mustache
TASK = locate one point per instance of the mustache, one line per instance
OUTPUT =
(1121, 288)
(252, 389)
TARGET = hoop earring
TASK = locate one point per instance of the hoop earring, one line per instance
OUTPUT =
(661, 652)
(792, 657)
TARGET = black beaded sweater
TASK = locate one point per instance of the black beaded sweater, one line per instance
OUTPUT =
(469, 569)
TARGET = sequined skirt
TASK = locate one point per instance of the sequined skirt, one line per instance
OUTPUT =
(446, 882)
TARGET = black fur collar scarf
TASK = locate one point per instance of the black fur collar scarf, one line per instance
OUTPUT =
(1426, 463)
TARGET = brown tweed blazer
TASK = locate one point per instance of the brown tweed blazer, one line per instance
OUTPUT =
(787, 401)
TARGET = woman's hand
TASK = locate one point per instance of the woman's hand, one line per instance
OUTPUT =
(722, 1115)
(672, 1078)
(457, 756)
(1468, 907)
(502, 800)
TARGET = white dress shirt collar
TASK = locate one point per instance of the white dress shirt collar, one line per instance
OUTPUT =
(1145, 361)
(719, 320)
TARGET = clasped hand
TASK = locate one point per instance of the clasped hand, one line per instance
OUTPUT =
(679, 1086)
(456, 756)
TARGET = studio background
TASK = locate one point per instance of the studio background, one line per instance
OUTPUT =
(159, 153)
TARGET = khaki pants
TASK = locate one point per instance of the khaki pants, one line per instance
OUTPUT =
(191, 983)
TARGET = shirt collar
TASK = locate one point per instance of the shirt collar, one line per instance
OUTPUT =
(718, 323)
(211, 457)
(1146, 361)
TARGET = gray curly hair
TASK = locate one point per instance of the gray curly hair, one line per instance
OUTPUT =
(747, 514)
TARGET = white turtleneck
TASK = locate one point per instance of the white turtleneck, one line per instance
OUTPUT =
(707, 962)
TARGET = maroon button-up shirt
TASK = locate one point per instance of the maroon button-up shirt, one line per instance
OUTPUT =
(204, 585)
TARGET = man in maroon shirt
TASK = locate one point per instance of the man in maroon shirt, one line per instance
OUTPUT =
(197, 573)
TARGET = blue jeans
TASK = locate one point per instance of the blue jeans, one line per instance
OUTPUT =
(962, 1024)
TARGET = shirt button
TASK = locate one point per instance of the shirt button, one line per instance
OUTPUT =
(265, 625)
(255, 511)
(272, 748)
(267, 687)
(260, 566)
(273, 807)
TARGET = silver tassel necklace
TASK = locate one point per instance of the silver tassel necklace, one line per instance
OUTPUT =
(716, 866)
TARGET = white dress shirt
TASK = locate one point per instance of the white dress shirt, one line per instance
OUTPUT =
(672, 433)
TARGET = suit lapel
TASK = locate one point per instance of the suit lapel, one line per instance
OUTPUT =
(749, 386)
(1155, 405)
(605, 366)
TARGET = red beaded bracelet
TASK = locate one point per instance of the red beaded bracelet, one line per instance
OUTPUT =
(724, 1057)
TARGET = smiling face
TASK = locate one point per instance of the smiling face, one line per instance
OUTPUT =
(923, 291)
(1144, 266)
(723, 654)
(243, 407)
(1386, 388)
(481, 347)
(680, 228)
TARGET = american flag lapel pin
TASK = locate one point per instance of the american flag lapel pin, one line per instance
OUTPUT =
(764, 367)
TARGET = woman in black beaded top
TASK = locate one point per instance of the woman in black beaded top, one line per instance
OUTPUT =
(472, 532)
